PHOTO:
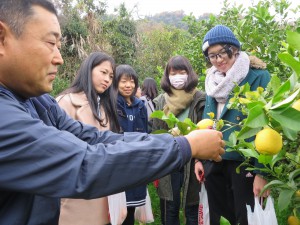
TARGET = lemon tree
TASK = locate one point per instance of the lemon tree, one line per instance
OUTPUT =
(273, 116)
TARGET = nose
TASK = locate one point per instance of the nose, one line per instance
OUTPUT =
(57, 59)
(218, 57)
(107, 78)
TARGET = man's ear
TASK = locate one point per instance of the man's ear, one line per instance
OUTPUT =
(3, 36)
(2, 32)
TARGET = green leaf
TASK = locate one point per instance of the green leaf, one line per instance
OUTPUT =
(276, 158)
(265, 159)
(293, 81)
(275, 83)
(255, 104)
(290, 134)
(257, 117)
(286, 86)
(287, 101)
(278, 169)
(170, 120)
(290, 61)
(247, 132)
(273, 183)
(190, 123)
(184, 127)
(249, 153)
(159, 131)
(284, 199)
(232, 139)
(293, 39)
(224, 221)
(294, 174)
(157, 114)
(288, 118)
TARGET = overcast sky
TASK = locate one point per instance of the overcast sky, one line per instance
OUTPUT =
(197, 7)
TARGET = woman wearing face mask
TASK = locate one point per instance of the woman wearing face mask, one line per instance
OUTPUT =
(228, 191)
(181, 98)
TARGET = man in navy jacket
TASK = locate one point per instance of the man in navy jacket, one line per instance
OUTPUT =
(46, 155)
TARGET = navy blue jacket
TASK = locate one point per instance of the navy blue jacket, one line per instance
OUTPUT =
(133, 117)
(46, 155)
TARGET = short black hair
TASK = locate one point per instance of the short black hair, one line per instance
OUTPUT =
(16, 13)
(127, 71)
(179, 63)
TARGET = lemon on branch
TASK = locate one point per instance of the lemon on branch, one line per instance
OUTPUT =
(296, 105)
(268, 141)
(205, 124)
(293, 220)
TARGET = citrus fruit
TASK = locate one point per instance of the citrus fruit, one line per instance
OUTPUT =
(205, 124)
(268, 141)
(293, 220)
(296, 105)
(298, 193)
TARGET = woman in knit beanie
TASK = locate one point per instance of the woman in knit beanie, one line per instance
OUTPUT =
(229, 192)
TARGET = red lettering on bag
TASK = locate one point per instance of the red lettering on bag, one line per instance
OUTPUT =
(200, 215)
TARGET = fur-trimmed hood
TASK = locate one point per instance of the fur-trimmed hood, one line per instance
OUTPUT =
(257, 63)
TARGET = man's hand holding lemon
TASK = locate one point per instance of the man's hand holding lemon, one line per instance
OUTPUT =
(206, 144)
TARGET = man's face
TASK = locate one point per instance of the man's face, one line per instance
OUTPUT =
(31, 61)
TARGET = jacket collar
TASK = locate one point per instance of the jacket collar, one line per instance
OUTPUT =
(79, 99)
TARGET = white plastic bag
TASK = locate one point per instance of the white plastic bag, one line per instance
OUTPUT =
(262, 216)
(203, 210)
(144, 214)
(117, 208)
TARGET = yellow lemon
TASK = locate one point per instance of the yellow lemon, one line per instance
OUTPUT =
(205, 124)
(268, 141)
(293, 220)
(298, 193)
(296, 105)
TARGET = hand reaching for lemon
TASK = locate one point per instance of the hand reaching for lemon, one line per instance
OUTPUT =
(206, 144)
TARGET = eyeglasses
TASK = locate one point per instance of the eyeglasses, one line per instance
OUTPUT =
(214, 57)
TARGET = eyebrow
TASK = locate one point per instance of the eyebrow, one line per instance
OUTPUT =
(213, 53)
(56, 34)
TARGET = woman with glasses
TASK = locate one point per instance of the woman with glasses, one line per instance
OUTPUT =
(229, 192)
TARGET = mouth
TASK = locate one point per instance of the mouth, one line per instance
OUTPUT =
(52, 75)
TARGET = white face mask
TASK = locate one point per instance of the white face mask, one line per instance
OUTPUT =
(178, 81)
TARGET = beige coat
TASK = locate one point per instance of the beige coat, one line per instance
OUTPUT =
(80, 211)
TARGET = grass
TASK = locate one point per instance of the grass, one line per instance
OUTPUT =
(281, 216)
(155, 203)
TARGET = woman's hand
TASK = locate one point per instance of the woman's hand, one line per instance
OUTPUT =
(199, 170)
(258, 185)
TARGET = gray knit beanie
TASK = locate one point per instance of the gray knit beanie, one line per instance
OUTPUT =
(219, 34)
